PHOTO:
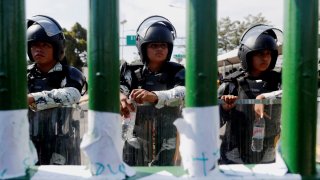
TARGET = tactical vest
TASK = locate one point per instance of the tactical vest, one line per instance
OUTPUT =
(240, 119)
(162, 80)
(154, 129)
(55, 132)
(38, 81)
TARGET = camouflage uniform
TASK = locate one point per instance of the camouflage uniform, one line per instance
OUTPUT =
(52, 129)
(236, 141)
(154, 130)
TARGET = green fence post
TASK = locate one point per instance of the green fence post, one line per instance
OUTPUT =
(299, 102)
(102, 143)
(13, 79)
(103, 50)
(16, 153)
(201, 73)
(201, 115)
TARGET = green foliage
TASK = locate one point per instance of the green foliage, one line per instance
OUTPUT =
(76, 46)
(229, 32)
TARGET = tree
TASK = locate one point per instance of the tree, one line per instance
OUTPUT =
(229, 32)
(76, 46)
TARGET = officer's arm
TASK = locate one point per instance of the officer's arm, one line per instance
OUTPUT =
(171, 97)
(125, 82)
(55, 98)
(125, 79)
(273, 94)
(66, 96)
(225, 88)
(174, 96)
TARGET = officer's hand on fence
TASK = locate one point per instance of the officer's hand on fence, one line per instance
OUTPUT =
(125, 106)
(30, 99)
(141, 95)
(259, 108)
(229, 102)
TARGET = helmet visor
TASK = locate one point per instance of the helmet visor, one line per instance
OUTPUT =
(147, 23)
(47, 24)
(254, 32)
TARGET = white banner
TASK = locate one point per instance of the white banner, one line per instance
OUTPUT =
(104, 146)
(17, 152)
(199, 136)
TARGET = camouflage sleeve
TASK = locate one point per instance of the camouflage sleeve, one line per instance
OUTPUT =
(171, 97)
(125, 79)
(273, 94)
(221, 89)
(225, 89)
(55, 98)
(174, 96)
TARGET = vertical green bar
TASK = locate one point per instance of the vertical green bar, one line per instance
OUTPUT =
(13, 79)
(299, 103)
(201, 75)
(103, 49)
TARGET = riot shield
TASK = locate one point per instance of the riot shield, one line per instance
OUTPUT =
(244, 142)
(154, 137)
(56, 135)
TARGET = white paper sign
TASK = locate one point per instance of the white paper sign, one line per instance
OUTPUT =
(17, 152)
(199, 136)
(104, 146)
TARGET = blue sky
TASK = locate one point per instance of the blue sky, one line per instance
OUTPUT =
(67, 12)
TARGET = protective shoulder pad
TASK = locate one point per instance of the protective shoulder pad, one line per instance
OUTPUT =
(76, 76)
(174, 67)
(31, 66)
(234, 76)
(125, 66)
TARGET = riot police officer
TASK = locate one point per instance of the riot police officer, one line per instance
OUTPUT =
(154, 85)
(258, 53)
(52, 85)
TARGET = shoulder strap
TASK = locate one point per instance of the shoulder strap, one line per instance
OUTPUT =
(274, 80)
(75, 78)
(233, 77)
(230, 83)
(137, 73)
(245, 87)
(173, 67)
